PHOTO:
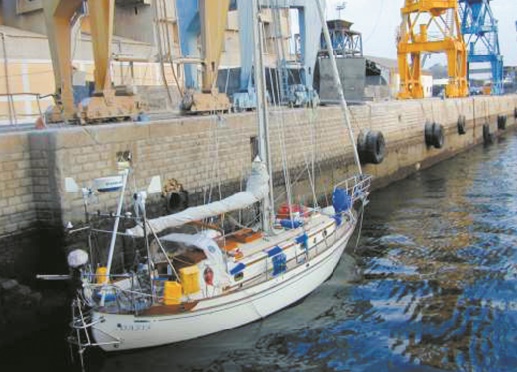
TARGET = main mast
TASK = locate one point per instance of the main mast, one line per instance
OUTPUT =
(263, 132)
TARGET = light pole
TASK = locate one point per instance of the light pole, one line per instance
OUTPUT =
(339, 8)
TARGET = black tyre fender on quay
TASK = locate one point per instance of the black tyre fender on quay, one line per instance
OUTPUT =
(434, 135)
(177, 201)
(428, 132)
(501, 122)
(438, 135)
(487, 136)
(462, 125)
(371, 147)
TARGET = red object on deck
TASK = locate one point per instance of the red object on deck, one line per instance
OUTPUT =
(283, 211)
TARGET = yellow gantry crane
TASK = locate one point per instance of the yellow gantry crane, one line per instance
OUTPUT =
(207, 19)
(107, 102)
(431, 26)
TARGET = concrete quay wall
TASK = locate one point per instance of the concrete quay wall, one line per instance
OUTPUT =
(205, 152)
(17, 209)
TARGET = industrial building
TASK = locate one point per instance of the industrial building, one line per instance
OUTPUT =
(27, 78)
(147, 56)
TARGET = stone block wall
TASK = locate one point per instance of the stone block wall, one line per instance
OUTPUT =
(208, 152)
(17, 210)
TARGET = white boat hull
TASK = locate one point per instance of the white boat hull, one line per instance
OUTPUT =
(114, 332)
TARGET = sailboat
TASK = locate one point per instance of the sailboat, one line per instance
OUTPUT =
(193, 283)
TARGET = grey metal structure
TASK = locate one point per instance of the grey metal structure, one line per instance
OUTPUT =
(352, 75)
(310, 30)
(347, 46)
(345, 42)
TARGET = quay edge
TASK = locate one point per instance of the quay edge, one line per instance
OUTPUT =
(34, 163)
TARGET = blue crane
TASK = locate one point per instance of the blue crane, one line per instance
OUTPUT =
(310, 30)
(204, 20)
(480, 31)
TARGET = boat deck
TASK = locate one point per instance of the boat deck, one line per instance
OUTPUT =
(245, 251)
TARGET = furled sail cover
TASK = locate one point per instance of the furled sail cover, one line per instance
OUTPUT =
(257, 189)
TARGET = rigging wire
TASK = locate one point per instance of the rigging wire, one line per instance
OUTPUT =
(171, 57)
(160, 42)
(376, 23)
(360, 227)
(281, 123)
(306, 161)
(309, 163)
(10, 100)
(312, 173)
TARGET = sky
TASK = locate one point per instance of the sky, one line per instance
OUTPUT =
(378, 20)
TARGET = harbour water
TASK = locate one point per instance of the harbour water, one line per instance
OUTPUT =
(431, 286)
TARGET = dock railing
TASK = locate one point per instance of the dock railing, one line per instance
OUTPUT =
(12, 114)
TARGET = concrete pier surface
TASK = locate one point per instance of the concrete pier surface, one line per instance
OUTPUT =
(215, 151)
